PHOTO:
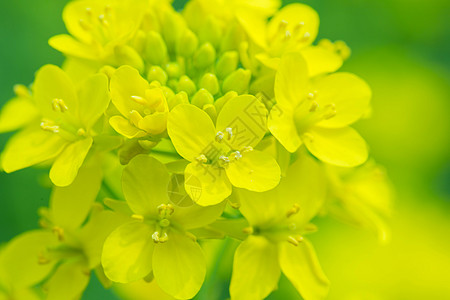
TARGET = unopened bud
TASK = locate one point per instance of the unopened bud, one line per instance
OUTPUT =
(187, 44)
(155, 49)
(227, 63)
(237, 81)
(201, 98)
(204, 56)
(158, 74)
(209, 81)
(126, 55)
(187, 85)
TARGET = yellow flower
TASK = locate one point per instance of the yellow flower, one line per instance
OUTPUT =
(223, 155)
(66, 132)
(99, 29)
(143, 106)
(292, 29)
(317, 113)
(23, 103)
(157, 238)
(361, 196)
(279, 218)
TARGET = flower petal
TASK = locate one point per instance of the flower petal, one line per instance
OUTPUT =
(196, 216)
(53, 83)
(349, 94)
(255, 269)
(69, 281)
(19, 259)
(16, 113)
(155, 123)
(295, 14)
(93, 99)
(179, 266)
(247, 117)
(69, 46)
(302, 268)
(206, 184)
(255, 171)
(126, 82)
(320, 60)
(281, 125)
(342, 146)
(127, 252)
(66, 166)
(123, 126)
(30, 147)
(191, 130)
(144, 183)
(69, 206)
(291, 80)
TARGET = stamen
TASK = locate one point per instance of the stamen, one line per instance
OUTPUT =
(219, 136)
(135, 117)
(21, 91)
(308, 136)
(59, 105)
(224, 159)
(164, 223)
(287, 35)
(229, 130)
(236, 155)
(311, 95)
(247, 149)
(306, 36)
(248, 230)
(49, 126)
(155, 237)
(59, 232)
(85, 25)
(292, 240)
(137, 217)
(293, 210)
(42, 259)
(89, 11)
(81, 132)
(191, 236)
(314, 106)
(139, 100)
(201, 158)
(164, 238)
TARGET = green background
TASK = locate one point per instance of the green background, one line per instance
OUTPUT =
(401, 47)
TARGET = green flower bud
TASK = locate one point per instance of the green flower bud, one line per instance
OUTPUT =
(158, 74)
(187, 44)
(211, 32)
(180, 98)
(202, 98)
(173, 70)
(237, 81)
(209, 81)
(126, 55)
(155, 49)
(187, 85)
(204, 56)
(172, 27)
(227, 63)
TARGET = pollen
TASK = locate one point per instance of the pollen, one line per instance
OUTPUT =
(293, 210)
(59, 105)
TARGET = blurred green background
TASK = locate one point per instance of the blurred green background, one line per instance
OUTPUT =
(401, 47)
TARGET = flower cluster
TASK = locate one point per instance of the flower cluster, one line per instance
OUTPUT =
(165, 128)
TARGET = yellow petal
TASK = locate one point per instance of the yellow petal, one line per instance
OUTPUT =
(254, 25)
(66, 166)
(291, 80)
(179, 266)
(255, 171)
(93, 99)
(127, 252)
(342, 146)
(53, 83)
(155, 123)
(144, 183)
(295, 14)
(196, 216)
(30, 147)
(255, 269)
(349, 94)
(302, 268)
(191, 130)
(281, 125)
(69, 206)
(19, 259)
(125, 83)
(247, 118)
(70, 46)
(123, 126)
(320, 60)
(206, 184)
(69, 281)
(269, 61)
(16, 113)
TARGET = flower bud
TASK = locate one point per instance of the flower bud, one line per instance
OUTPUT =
(126, 55)
(204, 56)
(209, 81)
(202, 98)
(155, 49)
(227, 63)
(158, 74)
(173, 70)
(211, 32)
(187, 44)
(237, 81)
(187, 85)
